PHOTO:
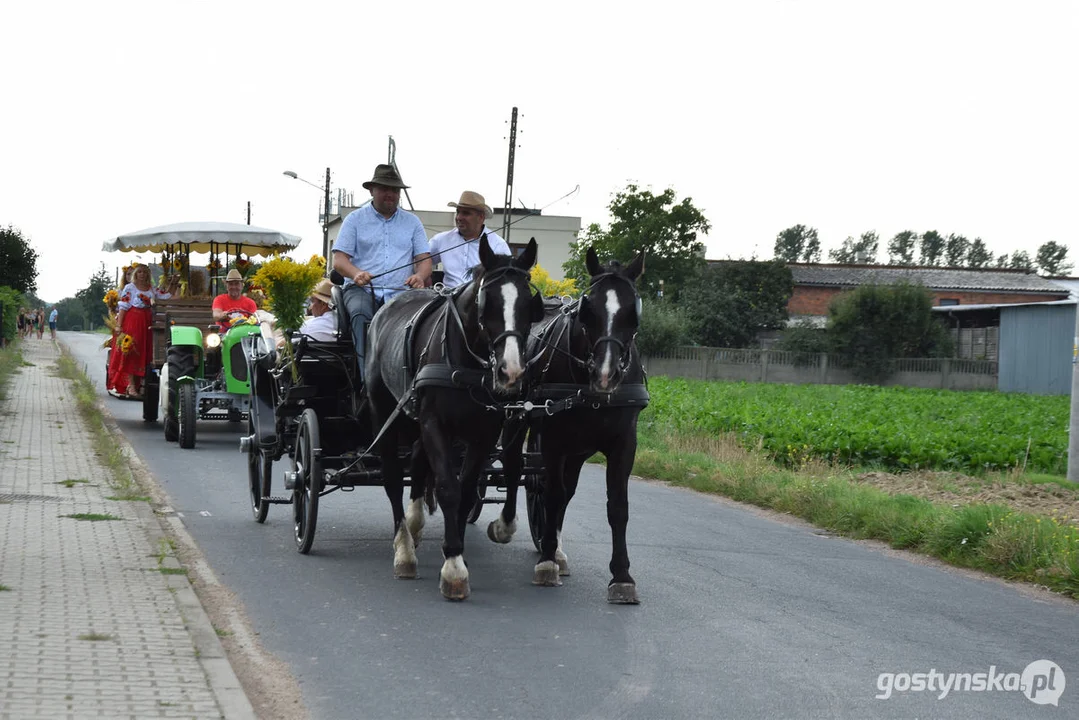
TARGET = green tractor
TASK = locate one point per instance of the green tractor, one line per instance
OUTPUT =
(206, 379)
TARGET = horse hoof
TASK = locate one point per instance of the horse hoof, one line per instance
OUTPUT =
(622, 594)
(404, 570)
(563, 563)
(454, 589)
(499, 532)
(546, 574)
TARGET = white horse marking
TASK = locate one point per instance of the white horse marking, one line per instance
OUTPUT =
(512, 351)
(606, 368)
(415, 520)
(404, 553)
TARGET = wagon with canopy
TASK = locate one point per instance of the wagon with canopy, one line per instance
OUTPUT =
(203, 371)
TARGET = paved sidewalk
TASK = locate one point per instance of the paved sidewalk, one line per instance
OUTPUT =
(89, 626)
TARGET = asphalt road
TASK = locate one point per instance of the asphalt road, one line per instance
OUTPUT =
(741, 616)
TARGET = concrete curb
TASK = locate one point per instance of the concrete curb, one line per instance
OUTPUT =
(224, 683)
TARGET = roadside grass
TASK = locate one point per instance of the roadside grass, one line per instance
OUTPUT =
(991, 538)
(112, 456)
(92, 517)
(95, 637)
(10, 362)
(71, 483)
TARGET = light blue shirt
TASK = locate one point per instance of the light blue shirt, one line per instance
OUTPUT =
(53, 314)
(458, 257)
(378, 245)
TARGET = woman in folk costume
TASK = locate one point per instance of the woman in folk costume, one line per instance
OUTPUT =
(133, 340)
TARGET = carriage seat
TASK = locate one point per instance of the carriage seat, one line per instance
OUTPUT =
(344, 327)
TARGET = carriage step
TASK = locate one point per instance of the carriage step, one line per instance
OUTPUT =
(278, 500)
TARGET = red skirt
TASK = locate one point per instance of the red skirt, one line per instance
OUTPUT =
(124, 368)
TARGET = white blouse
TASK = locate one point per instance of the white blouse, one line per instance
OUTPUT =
(131, 296)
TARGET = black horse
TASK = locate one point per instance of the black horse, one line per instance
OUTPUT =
(439, 369)
(589, 389)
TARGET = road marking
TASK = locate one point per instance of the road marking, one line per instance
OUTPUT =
(204, 513)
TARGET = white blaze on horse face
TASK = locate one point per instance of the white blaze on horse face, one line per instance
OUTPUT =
(511, 353)
(607, 363)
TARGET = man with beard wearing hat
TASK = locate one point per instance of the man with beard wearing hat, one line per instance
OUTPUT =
(381, 250)
(459, 249)
(321, 324)
(233, 304)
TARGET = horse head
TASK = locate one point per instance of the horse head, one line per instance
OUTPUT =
(499, 309)
(610, 313)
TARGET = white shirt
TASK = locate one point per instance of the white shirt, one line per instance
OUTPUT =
(457, 262)
(322, 328)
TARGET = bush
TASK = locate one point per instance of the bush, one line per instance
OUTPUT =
(804, 337)
(663, 326)
(12, 301)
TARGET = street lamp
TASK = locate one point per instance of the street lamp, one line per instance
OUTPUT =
(326, 209)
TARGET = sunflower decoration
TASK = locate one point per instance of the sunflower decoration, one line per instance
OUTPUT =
(125, 342)
(112, 300)
(214, 265)
(317, 260)
(242, 264)
(177, 265)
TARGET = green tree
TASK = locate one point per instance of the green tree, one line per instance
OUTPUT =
(11, 300)
(956, 248)
(1002, 261)
(91, 297)
(862, 251)
(664, 325)
(666, 231)
(901, 248)
(1020, 260)
(733, 301)
(18, 261)
(877, 323)
(71, 313)
(978, 256)
(798, 244)
(931, 248)
(1050, 259)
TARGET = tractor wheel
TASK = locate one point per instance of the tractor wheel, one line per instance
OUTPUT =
(181, 361)
(187, 415)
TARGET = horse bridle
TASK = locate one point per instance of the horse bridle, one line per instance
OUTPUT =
(481, 301)
(624, 349)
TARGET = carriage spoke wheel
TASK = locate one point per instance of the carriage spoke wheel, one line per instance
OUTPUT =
(477, 506)
(258, 476)
(537, 513)
(308, 471)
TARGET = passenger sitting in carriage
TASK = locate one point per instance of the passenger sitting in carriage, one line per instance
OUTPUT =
(321, 324)
(381, 250)
(459, 249)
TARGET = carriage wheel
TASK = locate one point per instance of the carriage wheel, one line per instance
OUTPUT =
(537, 513)
(477, 507)
(187, 415)
(308, 471)
(258, 476)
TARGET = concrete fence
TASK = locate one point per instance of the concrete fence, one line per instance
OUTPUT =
(776, 366)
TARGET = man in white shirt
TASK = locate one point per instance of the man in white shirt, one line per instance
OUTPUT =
(459, 249)
(322, 324)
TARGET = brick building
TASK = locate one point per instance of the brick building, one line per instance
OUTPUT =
(816, 285)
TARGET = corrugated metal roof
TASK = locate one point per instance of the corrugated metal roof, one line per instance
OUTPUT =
(993, 306)
(932, 278)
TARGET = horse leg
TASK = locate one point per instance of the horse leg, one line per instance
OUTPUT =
(421, 471)
(471, 466)
(404, 548)
(622, 589)
(570, 478)
(453, 580)
(502, 528)
(546, 571)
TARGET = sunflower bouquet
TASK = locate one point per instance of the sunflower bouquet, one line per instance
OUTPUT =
(287, 285)
(125, 343)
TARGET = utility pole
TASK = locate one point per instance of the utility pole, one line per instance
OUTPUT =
(326, 221)
(1073, 424)
(509, 179)
(248, 212)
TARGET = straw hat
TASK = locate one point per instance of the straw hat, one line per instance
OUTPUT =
(473, 201)
(234, 274)
(323, 291)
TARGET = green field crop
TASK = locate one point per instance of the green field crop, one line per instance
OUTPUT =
(897, 428)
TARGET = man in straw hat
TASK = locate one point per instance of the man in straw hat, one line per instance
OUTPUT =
(321, 324)
(232, 304)
(459, 249)
(381, 251)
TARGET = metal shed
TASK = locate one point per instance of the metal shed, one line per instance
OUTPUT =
(1035, 345)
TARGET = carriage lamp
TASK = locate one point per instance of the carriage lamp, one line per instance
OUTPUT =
(213, 341)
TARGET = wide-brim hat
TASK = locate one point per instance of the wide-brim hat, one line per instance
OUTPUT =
(324, 291)
(386, 175)
(234, 274)
(473, 201)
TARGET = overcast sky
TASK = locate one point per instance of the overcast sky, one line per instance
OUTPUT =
(845, 116)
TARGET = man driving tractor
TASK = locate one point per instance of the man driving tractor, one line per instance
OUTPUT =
(233, 304)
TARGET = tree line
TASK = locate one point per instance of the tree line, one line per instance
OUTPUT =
(800, 243)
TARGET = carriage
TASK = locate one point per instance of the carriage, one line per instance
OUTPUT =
(447, 377)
